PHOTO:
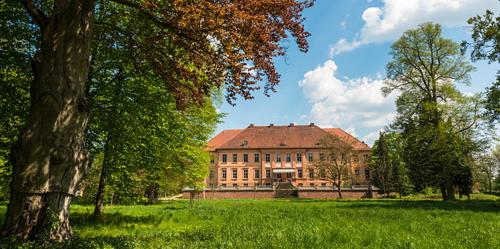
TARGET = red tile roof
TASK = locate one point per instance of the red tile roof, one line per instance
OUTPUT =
(290, 136)
(355, 143)
(221, 138)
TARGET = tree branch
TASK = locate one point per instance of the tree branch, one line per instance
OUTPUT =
(38, 16)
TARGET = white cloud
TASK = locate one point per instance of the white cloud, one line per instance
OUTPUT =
(356, 105)
(395, 16)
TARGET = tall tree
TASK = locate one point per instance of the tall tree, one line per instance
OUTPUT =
(335, 166)
(381, 165)
(389, 169)
(424, 68)
(193, 45)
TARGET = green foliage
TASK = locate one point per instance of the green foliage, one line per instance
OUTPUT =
(407, 223)
(16, 46)
(438, 124)
(388, 167)
(486, 46)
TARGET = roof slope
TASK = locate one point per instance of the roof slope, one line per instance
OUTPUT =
(221, 138)
(354, 142)
(291, 136)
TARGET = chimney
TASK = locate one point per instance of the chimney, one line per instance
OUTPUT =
(271, 125)
(291, 125)
(311, 124)
(250, 126)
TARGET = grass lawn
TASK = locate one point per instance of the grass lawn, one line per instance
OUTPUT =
(291, 224)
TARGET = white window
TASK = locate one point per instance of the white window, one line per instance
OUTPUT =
(245, 173)
(224, 174)
(257, 174)
(235, 174)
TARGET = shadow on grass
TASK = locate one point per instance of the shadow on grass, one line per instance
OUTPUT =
(115, 219)
(75, 243)
(460, 205)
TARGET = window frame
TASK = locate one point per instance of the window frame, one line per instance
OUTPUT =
(235, 158)
(300, 173)
(256, 157)
(224, 158)
(234, 174)
(245, 157)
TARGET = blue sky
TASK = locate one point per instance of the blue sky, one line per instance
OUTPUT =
(337, 83)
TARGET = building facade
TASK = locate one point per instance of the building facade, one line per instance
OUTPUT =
(264, 156)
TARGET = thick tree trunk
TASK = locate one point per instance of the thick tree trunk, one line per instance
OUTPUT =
(50, 158)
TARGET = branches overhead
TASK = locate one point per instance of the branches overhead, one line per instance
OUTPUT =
(200, 45)
(38, 16)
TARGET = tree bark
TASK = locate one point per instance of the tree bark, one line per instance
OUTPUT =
(50, 158)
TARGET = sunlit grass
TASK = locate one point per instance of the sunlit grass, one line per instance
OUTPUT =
(292, 224)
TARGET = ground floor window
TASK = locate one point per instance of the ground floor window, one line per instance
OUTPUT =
(356, 172)
(245, 173)
(323, 184)
(235, 185)
(288, 175)
(278, 175)
(245, 185)
(367, 173)
(299, 173)
(311, 173)
(224, 174)
(311, 184)
(235, 174)
(257, 174)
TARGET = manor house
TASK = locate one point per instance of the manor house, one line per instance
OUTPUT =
(257, 157)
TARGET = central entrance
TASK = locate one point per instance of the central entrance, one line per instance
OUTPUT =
(283, 174)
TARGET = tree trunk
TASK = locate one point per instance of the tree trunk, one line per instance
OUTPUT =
(339, 190)
(50, 158)
(152, 194)
(111, 130)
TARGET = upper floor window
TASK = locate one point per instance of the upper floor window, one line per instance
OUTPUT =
(224, 174)
(356, 172)
(256, 157)
(367, 173)
(245, 173)
(288, 157)
(365, 157)
(235, 158)
(322, 156)
(235, 174)
(355, 158)
(245, 158)
(310, 157)
(278, 157)
(257, 174)
(268, 173)
(299, 157)
(224, 158)
(268, 158)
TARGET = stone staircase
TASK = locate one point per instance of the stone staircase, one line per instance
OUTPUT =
(285, 190)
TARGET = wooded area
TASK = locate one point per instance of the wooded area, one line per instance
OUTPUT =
(113, 102)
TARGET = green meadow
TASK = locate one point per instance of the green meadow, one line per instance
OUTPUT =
(288, 223)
